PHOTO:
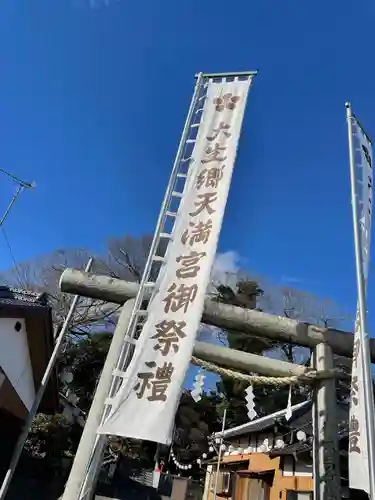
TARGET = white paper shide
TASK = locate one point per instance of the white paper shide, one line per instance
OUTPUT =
(145, 406)
(358, 451)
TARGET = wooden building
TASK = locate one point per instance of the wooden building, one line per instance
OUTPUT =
(26, 344)
(271, 459)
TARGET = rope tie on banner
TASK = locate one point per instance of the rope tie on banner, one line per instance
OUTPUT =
(307, 378)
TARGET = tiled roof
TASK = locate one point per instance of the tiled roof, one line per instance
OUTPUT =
(304, 420)
(301, 420)
(305, 424)
(291, 449)
(305, 446)
(263, 423)
(20, 297)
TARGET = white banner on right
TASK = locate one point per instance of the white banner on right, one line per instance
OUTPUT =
(358, 446)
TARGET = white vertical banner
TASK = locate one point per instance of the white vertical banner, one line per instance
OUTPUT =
(358, 446)
(146, 404)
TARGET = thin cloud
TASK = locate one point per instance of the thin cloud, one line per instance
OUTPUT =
(291, 279)
(226, 265)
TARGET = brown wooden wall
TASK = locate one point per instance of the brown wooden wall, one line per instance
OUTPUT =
(262, 466)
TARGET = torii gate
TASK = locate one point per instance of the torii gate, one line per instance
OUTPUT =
(206, 139)
(323, 341)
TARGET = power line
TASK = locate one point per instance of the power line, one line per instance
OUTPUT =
(16, 266)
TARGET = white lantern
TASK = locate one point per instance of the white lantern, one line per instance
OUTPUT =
(204, 455)
(279, 443)
(301, 436)
(66, 376)
(72, 398)
(211, 449)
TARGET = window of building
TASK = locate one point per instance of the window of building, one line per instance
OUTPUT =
(299, 495)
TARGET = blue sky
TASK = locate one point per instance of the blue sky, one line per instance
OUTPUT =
(93, 100)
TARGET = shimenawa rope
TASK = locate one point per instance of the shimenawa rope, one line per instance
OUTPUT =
(309, 377)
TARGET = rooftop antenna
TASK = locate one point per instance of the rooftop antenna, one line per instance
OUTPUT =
(21, 186)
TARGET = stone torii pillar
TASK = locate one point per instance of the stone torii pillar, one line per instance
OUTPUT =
(326, 472)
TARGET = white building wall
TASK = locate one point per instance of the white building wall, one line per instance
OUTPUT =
(15, 359)
(292, 467)
(262, 444)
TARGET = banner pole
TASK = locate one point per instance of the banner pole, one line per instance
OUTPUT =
(88, 476)
(365, 339)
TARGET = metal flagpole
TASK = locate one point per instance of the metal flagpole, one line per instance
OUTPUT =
(365, 339)
(219, 454)
(39, 395)
(94, 459)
